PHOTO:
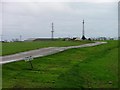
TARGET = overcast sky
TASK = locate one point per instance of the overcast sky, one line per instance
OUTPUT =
(33, 18)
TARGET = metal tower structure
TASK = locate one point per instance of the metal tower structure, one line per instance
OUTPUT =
(83, 32)
(52, 36)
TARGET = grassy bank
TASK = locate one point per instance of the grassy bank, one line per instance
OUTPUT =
(16, 47)
(92, 67)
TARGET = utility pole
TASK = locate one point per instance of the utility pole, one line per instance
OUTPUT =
(83, 32)
(52, 36)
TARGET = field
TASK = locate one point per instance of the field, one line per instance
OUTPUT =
(91, 67)
(16, 47)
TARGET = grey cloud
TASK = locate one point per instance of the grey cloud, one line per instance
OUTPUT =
(34, 20)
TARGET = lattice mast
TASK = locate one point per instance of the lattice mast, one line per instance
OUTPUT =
(52, 32)
(83, 32)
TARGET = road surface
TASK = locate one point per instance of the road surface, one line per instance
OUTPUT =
(41, 52)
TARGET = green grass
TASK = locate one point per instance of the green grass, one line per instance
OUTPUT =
(16, 47)
(91, 67)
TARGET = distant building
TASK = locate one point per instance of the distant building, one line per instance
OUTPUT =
(102, 38)
(66, 39)
(30, 39)
(39, 39)
(77, 38)
(72, 39)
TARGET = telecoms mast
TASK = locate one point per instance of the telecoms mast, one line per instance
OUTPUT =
(83, 32)
(52, 32)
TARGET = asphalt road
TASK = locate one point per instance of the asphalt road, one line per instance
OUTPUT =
(41, 52)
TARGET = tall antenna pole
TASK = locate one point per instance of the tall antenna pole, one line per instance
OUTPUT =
(83, 32)
(52, 31)
(83, 28)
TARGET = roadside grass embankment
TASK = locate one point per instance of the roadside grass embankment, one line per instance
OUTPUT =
(16, 47)
(91, 67)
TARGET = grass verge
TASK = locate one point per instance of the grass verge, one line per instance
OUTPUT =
(91, 67)
(16, 47)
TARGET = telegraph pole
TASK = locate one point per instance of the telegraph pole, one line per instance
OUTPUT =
(52, 36)
(83, 32)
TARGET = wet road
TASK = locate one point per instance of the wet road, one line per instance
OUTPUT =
(41, 52)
